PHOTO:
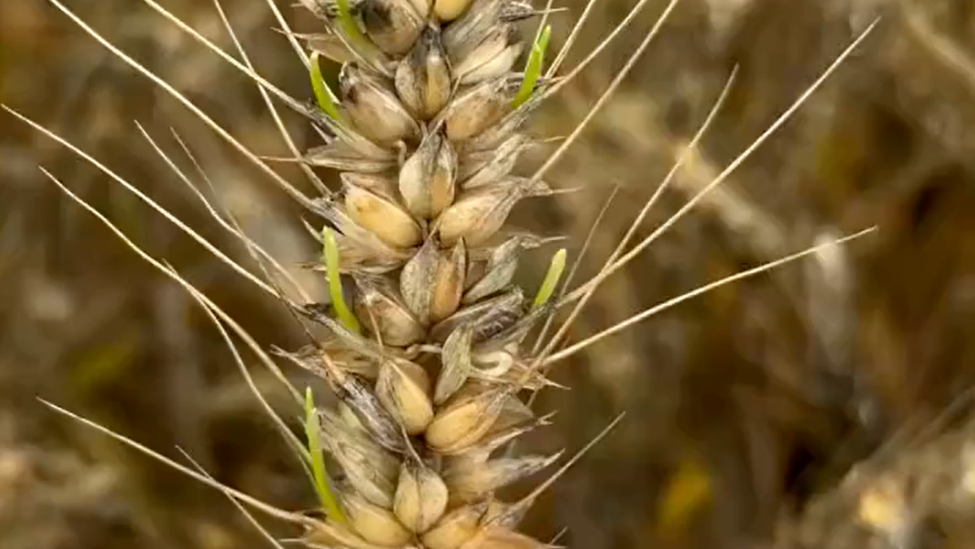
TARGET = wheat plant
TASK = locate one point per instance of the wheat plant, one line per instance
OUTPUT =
(426, 341)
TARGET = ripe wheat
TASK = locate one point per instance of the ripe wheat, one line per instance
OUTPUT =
(428, 348)
(915, 491)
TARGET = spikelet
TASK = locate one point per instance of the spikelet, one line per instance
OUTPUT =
(429, 379)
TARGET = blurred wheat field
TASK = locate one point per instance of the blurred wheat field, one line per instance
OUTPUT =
(740, 404)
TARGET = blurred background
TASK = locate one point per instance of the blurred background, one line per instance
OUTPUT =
(742, 403)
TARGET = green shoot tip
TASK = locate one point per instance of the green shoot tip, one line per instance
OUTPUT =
(321, 480)
(533, 67)
(323, 95)
(551, 280)
(349, 26)
(331, 251)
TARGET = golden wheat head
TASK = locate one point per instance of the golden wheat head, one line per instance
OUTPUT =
(425, 346)
(427, 366)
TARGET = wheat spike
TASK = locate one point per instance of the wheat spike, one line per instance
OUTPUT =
(426, 347)
(426, 130)
(916, 491)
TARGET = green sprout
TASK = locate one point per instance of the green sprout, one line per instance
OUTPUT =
(322, 483)
(331, 250)
(533, 68)
(349, 26)
(551, 280)
(324, 95)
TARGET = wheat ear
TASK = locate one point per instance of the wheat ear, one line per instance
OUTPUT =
(426, 329)
(917, 489)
